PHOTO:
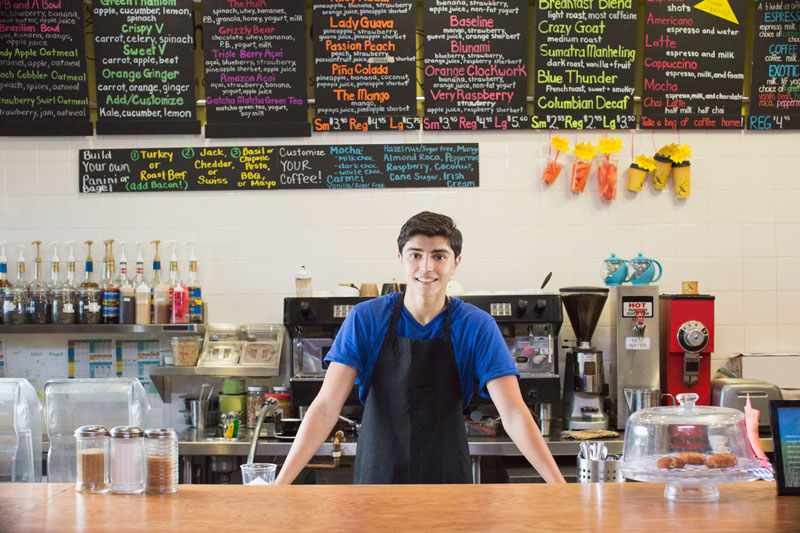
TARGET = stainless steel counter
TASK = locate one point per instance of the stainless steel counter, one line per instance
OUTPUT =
(203, 442)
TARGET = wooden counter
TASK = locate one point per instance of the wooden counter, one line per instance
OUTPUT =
(514, 507)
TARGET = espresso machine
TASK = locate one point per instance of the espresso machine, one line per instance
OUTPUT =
(312, 324)
(687, 340)
(530, 324)
(584, 386)
(635, 339)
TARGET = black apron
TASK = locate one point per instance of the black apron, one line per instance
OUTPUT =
(413, 429)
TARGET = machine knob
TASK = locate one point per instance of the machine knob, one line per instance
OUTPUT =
(540, 306)
(522, 306)
(305, 309)
(693, 336)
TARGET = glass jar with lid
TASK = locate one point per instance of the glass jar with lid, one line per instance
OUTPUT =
(127, 464)
(92, 447)
(691, 448)
(255, 399)
(161, 452)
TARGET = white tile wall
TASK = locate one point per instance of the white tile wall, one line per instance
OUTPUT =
(738, 235)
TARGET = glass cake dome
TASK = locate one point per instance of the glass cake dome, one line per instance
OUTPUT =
(691, 448)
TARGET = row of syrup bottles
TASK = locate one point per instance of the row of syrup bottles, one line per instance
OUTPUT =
(117, 299)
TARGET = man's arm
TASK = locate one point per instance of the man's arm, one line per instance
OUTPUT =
(519, 425)
(319, 420)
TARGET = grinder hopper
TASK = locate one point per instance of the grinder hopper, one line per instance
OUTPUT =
(584, 306)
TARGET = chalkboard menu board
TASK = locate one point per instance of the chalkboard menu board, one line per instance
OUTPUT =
(584, 64)
(255, 68)
(364, 63)
(369, 166)
(43, 87)
(693, 64)
(144, 66)
(475, 57)
(775, 82)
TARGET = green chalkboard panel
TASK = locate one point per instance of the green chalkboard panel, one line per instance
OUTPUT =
(374, 166)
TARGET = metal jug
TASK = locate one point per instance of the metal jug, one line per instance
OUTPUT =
(637, 399)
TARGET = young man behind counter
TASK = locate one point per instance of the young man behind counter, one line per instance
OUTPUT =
(416, 356)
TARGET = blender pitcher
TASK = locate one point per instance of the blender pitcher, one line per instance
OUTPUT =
(643, 270)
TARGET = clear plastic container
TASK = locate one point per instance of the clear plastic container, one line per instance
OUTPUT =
(161, 453)
(70, 403)
(691, 448)
(263, 345)
(185, 350)
(20, 432)
(222, 346)
(93, 452)
(127, 459)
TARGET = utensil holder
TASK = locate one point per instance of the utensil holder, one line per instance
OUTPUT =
(607, 471)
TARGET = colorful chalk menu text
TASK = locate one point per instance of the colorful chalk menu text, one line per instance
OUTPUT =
(693, 64)
(585, 52)
(775, 73)
(43, 82)
(371, 166)
(144, 66)
(255, 75)
(475, 60)
(364, 64)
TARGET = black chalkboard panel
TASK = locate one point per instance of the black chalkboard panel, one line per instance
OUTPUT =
(144, 66)
(694, 55)
(278, 167)
(475, 57)
(364, 60)
(775, 74)
(255, 69)
(584, 57)
(43, 87)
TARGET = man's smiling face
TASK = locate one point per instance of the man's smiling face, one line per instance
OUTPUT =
(428, 264)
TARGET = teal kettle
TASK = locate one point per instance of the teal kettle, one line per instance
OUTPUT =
(643, 270)
(615, 271)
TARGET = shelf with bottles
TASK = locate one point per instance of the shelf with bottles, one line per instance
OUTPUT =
(151, 329)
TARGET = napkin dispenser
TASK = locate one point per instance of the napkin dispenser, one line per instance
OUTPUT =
(732, 392)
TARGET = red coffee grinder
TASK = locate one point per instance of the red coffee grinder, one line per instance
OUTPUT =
(687, 340)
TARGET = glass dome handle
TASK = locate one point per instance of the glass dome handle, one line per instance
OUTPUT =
(687, 399)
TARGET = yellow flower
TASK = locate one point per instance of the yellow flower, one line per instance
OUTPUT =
(609, 146)
(645, 163)
(681, 153)
(666, 151)
(560, 144)
(584, 151)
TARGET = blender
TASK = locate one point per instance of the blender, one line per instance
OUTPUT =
(584, 387)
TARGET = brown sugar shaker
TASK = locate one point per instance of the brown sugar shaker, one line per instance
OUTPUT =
(161, 458)
(92, 447)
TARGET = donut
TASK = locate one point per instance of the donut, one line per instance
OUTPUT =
(721, 460)
(693, 458)
(670, 461)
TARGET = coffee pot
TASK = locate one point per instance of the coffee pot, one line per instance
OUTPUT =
(643, 270)
(615, 271)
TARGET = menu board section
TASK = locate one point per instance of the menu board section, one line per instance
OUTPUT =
(475, 64)
(775, 73)
(584, 58)
(364, 65)
(43, 82)
(693, 74)
(144, 67)
(255, 75)
(263, 168)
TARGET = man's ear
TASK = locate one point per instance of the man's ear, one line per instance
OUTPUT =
(458, 262)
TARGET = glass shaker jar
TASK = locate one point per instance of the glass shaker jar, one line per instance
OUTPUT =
(127, 465)
(255, 399)
(161, 452)
(92, 449)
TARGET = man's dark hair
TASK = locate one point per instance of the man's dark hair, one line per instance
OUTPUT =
(431, 225)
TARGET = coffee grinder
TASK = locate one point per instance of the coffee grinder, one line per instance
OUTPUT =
(687, 340)
(584, 386)
(634, 329)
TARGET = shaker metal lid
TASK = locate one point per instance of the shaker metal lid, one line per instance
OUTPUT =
(161, 433)
(126, 432)
(91, 431)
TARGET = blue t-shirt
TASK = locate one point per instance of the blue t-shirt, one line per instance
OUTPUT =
(480, 350)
